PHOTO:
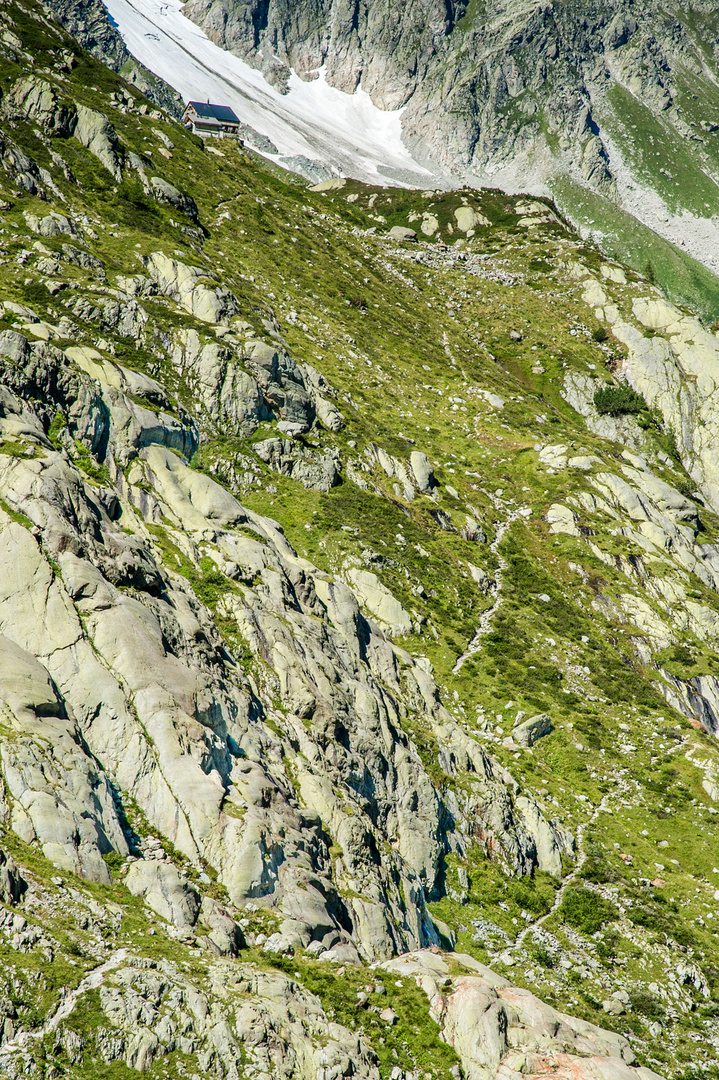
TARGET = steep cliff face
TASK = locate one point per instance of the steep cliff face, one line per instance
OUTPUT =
(388, 52)
(87, 21)
(359, 563)
(618, 100)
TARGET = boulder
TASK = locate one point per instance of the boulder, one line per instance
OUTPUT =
(12, 883)
(225, 934)
(163, 889)
(399, 232)
(94, 131)
(528, 732)
(328, 414)
(53, 224)
(38, 102)
(335, 183)
(562, 519)
(60, 796)
(467, 218)
(423, 471)
(377, 598)
(185, 285)
(318, 470)
(167, 193)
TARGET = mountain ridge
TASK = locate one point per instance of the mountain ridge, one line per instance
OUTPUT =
(556, 100)
(270, 459)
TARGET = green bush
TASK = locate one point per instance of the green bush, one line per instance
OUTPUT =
(36, 293)
(84, 460)
(58, 423)
(114, 861)
(652, 917)
(618, 401)
(596, 868)
(586, 911)
(525, 895)
(542, 955)
(607, 948)
(646, 1004)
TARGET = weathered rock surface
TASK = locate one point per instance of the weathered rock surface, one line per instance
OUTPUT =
(521, 94)
(164, 890)
(314, 470)
(139, 682)
(500, 1030)
(423, 471)
(12, 883)
(96, 132)
(529, 731)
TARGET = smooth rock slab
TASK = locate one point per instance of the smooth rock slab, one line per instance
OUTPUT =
(399, 232)
(533, 729)
(423, 471)
(165, 891)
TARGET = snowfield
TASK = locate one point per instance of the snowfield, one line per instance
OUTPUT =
(343, 131)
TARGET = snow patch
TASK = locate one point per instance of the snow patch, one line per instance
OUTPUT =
(344, 131)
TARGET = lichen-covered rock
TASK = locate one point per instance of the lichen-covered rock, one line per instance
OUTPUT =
(38, 101)
(96, 132)
(502, 1030)
(164, 890)
(313, 470)
(186, 285)
(12, 883)
(529, 731)
(165, 192)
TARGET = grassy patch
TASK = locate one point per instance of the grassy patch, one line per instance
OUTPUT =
(585, 910)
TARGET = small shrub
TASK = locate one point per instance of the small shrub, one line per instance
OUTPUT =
(37, 294)
(600, 334)
(607, 947)
(618, 401)
(85, 461)
(131, 191)
(542, 955)
(586, 911)
(113, 860)
(680, 654)
(596, 868)
(646, 1004)
(58, 423)
(525, 895)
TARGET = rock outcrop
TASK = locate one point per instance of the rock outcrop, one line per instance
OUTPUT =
(525, 97)
(353, 607)
(500, 1030)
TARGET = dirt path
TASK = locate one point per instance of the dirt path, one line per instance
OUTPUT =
(485, 619)
(66, 1005)
(601, 806)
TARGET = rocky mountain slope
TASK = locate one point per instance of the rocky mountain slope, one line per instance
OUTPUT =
(610, 108)
(358, 619)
